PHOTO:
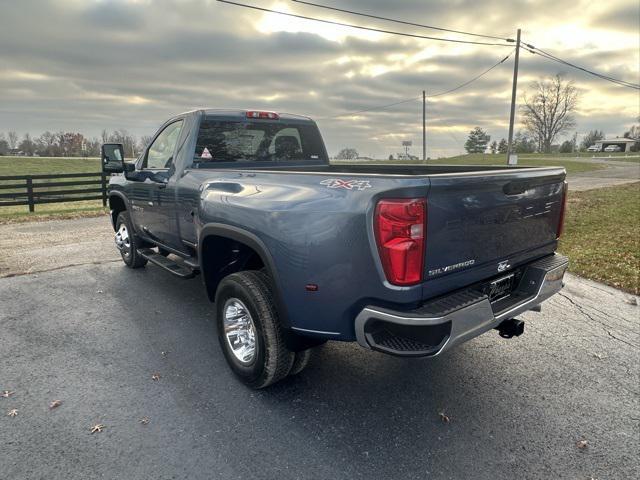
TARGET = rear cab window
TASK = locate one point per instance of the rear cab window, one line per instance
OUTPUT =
(245, 141)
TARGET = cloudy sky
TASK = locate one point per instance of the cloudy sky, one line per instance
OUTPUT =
(85, 65)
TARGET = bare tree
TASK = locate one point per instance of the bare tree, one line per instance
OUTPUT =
(144, 141)
(27, 145)
(13, 139)
(548, 112)
(347, 154)
(126, 139)
(47, 144)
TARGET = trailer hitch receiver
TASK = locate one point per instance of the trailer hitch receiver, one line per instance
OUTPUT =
(511, 328)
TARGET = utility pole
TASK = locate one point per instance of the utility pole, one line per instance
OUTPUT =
(513, 97)
(424, 126)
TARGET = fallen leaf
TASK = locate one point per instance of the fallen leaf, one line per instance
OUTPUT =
(632, 301)
(155, 377)
(444, 417)
(12, 413)
(7, 394)
(55, 404)
(599, 356)
(97, 428)
(582, 444)
(144, 420)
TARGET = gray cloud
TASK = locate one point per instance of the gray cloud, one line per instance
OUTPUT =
(626, 17)
(113, 16)
(111, 64)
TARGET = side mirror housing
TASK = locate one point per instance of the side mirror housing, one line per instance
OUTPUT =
(112, 155)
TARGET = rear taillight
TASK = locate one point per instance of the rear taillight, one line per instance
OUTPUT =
(400, 228)
(563, 209)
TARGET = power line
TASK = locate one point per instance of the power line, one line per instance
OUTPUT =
(403, 22)
(532, 49)
(565, 62)
(360, 27)
(548, 56)
(378, 107)
(381, 107)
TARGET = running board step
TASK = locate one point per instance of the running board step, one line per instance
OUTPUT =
(179, 269)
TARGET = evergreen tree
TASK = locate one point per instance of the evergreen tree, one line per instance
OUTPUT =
(477, 141)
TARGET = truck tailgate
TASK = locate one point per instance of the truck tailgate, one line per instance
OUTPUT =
(476, 220)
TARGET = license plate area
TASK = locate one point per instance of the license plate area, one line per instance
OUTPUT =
(500, 288)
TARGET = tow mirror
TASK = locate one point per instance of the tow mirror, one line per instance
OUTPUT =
(113, 159)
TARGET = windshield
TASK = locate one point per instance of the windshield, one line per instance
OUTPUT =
(257, 141)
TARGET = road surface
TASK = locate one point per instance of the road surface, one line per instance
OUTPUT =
(616, 173)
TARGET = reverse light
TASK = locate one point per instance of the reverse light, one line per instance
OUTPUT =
(563, 209)
(400, 229)
(263, 115)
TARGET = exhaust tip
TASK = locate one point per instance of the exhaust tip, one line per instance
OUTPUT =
(511, 328)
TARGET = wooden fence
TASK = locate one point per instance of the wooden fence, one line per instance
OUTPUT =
(34, 190)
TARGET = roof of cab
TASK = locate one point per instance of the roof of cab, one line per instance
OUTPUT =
(222, 112)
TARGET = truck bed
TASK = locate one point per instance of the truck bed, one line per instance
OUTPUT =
(481, 219)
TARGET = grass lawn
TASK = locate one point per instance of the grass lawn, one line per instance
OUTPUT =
(44, 165)
(602, 235)
(52, 211)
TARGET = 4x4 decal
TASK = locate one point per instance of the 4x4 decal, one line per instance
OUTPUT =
(347, 184)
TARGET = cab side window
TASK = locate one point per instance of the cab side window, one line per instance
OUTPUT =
(161, 151)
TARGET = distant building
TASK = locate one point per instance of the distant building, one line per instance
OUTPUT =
(625, 144)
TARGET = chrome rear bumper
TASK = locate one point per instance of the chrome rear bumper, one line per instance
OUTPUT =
(440, 324)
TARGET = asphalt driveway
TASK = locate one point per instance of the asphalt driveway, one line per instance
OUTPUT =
(93, 336)
(616, 173)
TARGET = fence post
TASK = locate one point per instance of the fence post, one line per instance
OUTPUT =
(30, 194)
(103, 180)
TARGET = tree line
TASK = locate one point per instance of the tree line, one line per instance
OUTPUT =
(547, 112)
(68, 144)
(478, 142)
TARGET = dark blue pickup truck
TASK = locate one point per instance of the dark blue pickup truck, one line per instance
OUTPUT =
(408, 260)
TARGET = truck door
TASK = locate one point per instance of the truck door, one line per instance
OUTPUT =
(154, 202)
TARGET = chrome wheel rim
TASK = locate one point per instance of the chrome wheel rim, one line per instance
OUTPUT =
(123, 241)
(239, 330)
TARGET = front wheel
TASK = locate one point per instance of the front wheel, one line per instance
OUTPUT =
(127, 243)
(249, 330)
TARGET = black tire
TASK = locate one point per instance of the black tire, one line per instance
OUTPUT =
(271, 360)
(129, 248)
(300, 361)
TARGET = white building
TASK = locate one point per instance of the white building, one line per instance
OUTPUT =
(624, 143)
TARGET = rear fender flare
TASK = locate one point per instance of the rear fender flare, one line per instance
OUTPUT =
(252, 241)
